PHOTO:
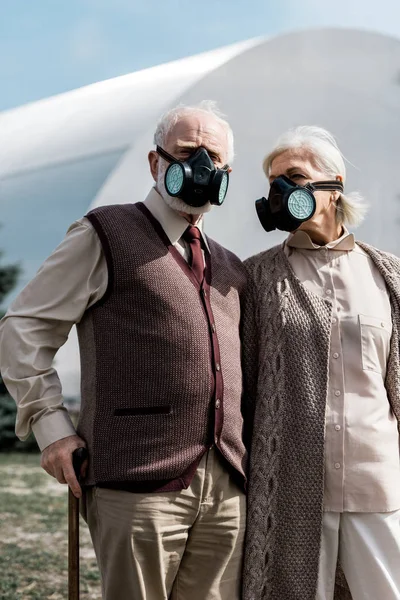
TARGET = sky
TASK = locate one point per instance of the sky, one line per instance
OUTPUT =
(52, 46)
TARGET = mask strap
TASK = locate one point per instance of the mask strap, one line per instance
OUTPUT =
(330, 185)
(171, 158)
(165, 155)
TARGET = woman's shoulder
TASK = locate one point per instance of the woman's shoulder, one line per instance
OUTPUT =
(386, 259)
(264, 258)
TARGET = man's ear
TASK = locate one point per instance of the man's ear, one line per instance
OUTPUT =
(153, 162)
(230, 170)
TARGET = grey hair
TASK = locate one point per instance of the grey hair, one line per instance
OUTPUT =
(350, 208)
(172, 116)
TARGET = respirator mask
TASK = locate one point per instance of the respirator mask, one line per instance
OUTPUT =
(289, 205)
(195, 180)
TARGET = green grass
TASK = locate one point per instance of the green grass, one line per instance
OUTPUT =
(33, 535)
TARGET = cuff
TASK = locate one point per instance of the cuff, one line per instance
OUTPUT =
(53, 427)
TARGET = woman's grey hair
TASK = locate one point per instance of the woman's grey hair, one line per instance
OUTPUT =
(327, 158)
(171, 117)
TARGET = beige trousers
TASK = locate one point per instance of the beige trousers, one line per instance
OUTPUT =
(184, 545)
(368, 546)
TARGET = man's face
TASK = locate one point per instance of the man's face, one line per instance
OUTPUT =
(299, 166)
(191, 132)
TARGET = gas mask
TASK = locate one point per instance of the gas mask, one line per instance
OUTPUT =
(196, 180)
(289, 205)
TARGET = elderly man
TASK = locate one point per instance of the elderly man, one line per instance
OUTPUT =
(156, 304)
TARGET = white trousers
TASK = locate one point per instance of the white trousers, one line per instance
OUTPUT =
(368, 546)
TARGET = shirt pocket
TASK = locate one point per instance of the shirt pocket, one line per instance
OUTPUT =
(375, 343)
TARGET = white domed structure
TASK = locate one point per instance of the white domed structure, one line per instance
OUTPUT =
(65, 154)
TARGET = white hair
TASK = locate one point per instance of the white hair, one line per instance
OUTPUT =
(326, 156)
(209, 107)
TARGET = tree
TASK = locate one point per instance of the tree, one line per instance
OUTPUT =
(8, 441)
(8, 279)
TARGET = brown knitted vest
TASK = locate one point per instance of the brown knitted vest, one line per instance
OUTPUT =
(161, 372)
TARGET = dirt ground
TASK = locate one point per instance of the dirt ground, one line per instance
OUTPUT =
(33, 535)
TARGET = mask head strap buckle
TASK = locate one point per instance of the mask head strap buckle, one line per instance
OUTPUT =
(331, 185)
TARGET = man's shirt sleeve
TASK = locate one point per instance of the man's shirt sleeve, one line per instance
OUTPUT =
(72, 279)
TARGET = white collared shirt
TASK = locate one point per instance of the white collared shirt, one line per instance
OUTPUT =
(362, 459)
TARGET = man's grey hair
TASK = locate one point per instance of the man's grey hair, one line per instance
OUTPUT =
(327, 158)
(172, 116)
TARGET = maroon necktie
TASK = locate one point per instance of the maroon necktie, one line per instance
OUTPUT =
(193, 236)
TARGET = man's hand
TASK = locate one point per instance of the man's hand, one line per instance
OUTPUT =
(57, 462)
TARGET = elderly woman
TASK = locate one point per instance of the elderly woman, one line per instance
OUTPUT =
(321, 352)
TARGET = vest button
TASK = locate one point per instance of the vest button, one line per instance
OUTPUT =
(218, 367)
(217, 403)
(213, 328)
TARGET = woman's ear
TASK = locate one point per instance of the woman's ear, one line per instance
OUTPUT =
(333, 198)
(337, 194)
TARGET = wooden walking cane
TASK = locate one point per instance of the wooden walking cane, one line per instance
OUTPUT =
(78, 457)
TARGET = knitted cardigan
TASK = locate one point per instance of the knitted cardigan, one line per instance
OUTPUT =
(286, 341)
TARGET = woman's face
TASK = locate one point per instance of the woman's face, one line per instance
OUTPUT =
(298, 165)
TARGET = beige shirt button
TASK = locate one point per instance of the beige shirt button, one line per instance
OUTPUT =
(337, 428)
(335, 355)
(337, 393)
(334, 320)
(328, 292)
(383, 324)
(337, 465)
